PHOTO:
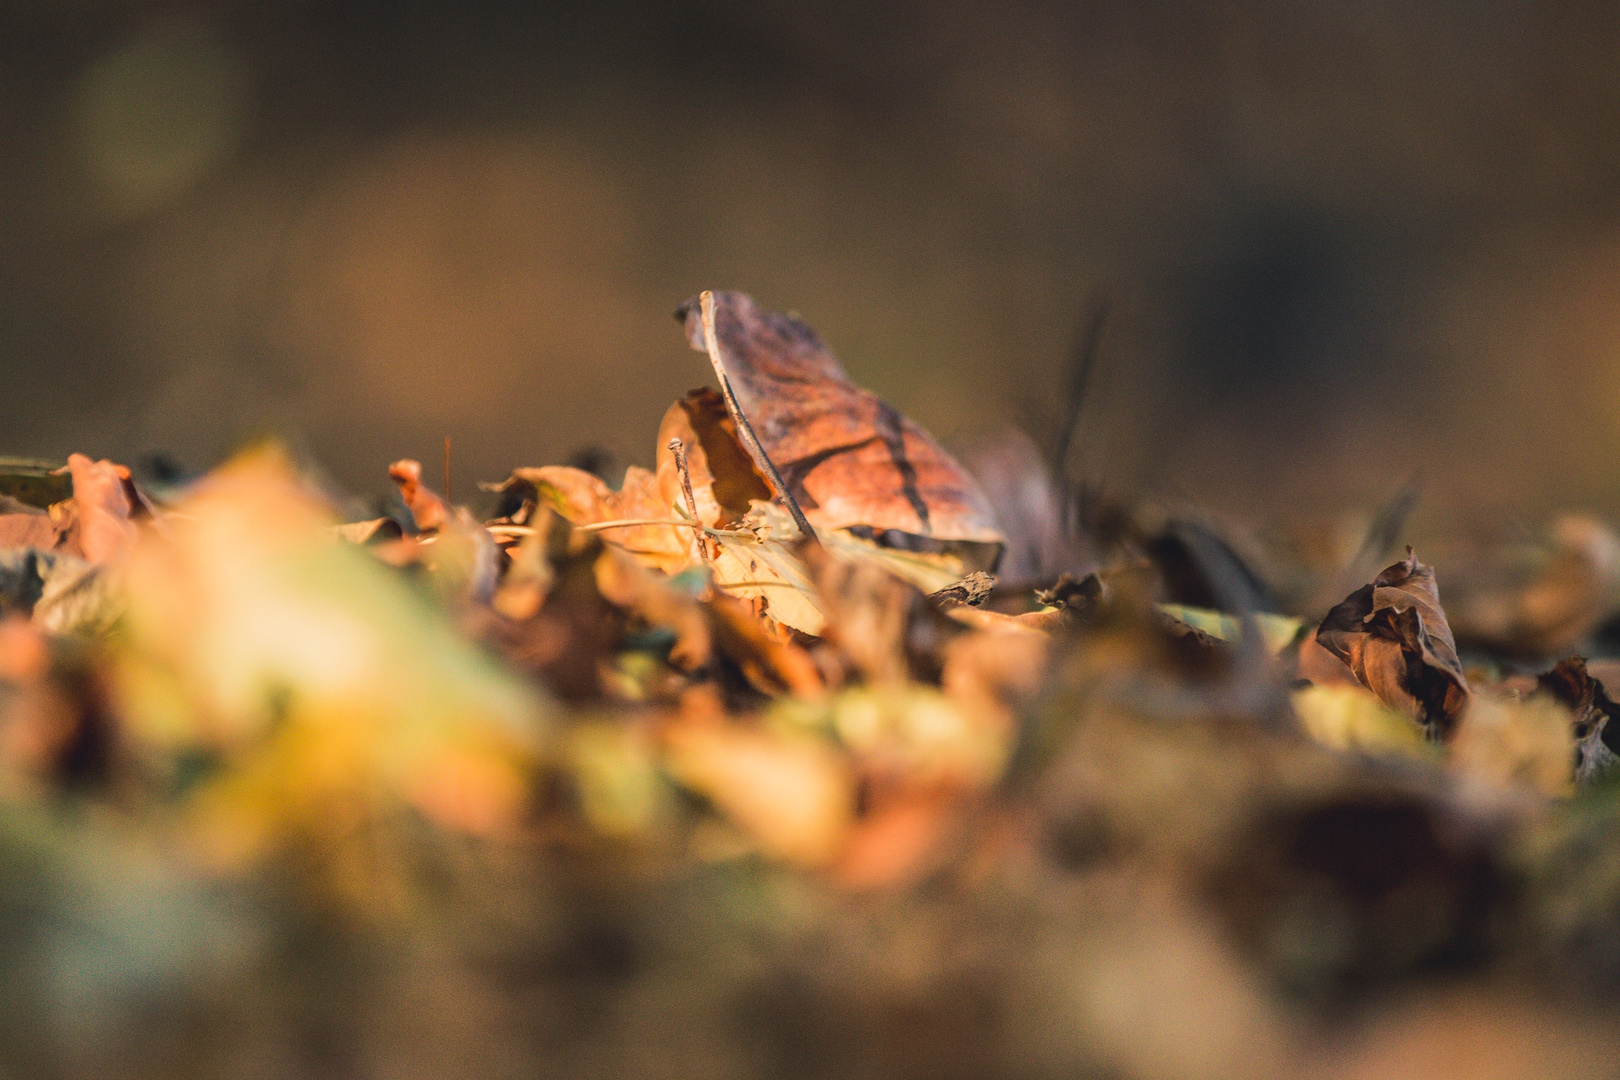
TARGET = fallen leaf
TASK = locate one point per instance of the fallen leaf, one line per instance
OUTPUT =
(330, 689)
(725, 480)
(427, 509)
(761, 566)
(792, 793)
(103, 528)
(770, 665)
(633, 588)
(1349, 717)
(1571, 684)
(849, 459)
(583, 499)
(1515, 740)
(1393, 635)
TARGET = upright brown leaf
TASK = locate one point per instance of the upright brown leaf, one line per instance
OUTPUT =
(1393, 635)
(427, 509)
(848, 458)
(104, 506)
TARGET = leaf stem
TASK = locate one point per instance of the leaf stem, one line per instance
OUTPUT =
(678, 448)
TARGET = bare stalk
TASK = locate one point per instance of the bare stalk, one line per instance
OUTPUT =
(678, 448)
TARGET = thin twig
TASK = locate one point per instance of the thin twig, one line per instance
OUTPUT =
(1082, 366)
(623, 523)
(678, 448)
(711, 341)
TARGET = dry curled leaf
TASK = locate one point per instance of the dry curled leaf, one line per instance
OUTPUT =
(428, 510)
(1571, 684)
(1392, 633)
(583, 499)
(103, 503)
(849, 459)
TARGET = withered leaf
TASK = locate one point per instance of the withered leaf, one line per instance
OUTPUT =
(725, 480)
(583, 499)
(761, 566)
(848, 458)
(426, 507)
(34, 530)
(1392, 633)
(792, 793)
(1586, 698)
(102, 496)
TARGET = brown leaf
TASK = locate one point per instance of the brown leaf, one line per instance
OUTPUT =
(725, 479)
(1393, 635)
(848, 458)
(100, 493)
(28, 531)
(584, 499)
(1588, 701)
(770, 665)
(632, 588)
(425, 506)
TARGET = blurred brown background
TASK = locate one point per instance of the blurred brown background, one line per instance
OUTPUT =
(1343, 243)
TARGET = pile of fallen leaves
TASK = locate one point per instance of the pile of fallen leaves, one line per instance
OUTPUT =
(809, 752)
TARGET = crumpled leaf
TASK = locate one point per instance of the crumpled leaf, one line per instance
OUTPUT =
(848, 458)
(460, 555)
(1393, 635)
(725, 480)
(427, 509)
(583, 499)
(103, 526)
(1588, 701)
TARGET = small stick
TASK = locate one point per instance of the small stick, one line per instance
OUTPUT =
(678, 448)
(447, 470)
(712, 342)
(629, 523)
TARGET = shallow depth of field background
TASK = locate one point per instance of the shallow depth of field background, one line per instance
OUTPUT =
(1343, 244)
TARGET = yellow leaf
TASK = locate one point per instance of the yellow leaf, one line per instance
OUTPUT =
(1347, 717)
(792, 793)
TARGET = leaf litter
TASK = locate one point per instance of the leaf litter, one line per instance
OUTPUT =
(756, 755)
